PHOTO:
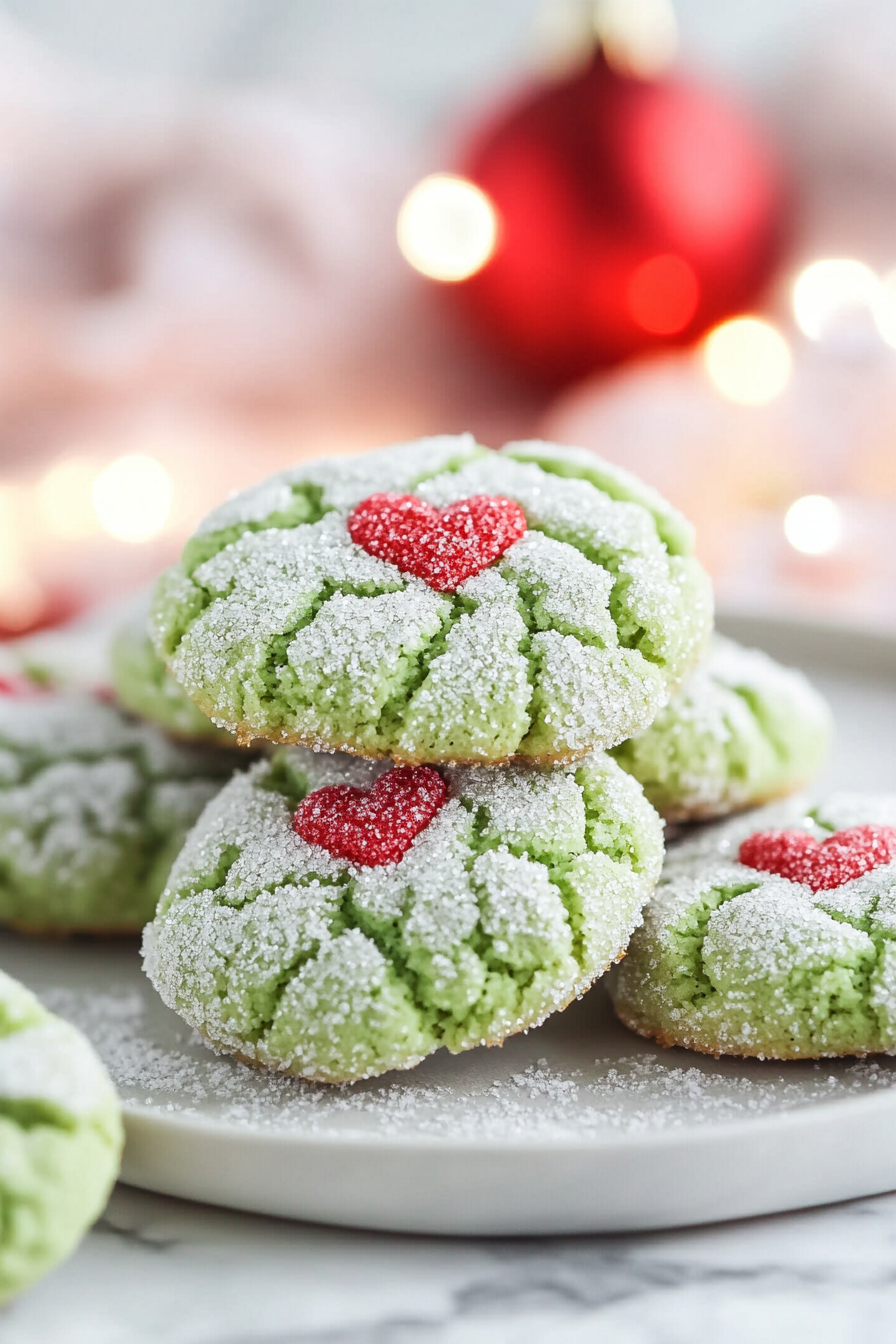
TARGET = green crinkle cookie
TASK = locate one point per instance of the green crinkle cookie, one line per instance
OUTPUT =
(93, 810)
(742, 730)
(278, 626)
(731, 961)
(143, 685)
(60, 1138)
(520, 892)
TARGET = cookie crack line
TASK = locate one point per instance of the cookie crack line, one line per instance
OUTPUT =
(737, 960)
(93, 808)
(612, 622)
(348, 917)
(860, 977)
(336, 971)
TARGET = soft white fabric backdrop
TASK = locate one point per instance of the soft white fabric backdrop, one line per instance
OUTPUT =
(420, 55)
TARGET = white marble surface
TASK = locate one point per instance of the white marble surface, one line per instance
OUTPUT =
(159, 1271)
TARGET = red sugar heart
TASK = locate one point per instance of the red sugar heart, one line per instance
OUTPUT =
(823, 864)
(441, 546)
(372, 826)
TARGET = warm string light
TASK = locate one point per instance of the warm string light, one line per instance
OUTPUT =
(831, 288)
(447, 228)
(813, 525)
(748, 360)
(132, 497)
(21, 597)
(64, 498)
(79, 498)
(827, 288)
(885, 309)
(128, 498)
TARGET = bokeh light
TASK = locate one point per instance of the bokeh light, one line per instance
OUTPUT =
(64, 498)
(132, 497)
(813, 525)
(663, 294)
(639, 37)
(828, 288)
(447, 227)
(748, 360)
(885, 309)
(22, 599)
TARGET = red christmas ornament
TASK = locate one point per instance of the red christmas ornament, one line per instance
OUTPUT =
(374, 826)
(441, 546)
(823, 864)
(632, 213)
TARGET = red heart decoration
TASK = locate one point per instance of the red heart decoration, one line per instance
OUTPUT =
(823, 864)
(372, 826)
(441, 546)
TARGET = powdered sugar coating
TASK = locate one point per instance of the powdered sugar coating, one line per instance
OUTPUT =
(277, 625)
(344, 481)
(144, 686)
(582, 464)
(519, 893)
(740, 731)
(60, 1137)
(52, 1063)
(93, 809)
(734, 961)
(513, 1096)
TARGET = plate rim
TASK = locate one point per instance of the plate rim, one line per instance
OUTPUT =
(853, 647)
(622, 1138)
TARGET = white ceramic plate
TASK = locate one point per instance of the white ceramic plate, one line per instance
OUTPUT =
(576, 1127)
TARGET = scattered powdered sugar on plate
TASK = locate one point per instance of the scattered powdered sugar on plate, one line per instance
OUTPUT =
(161, 1067)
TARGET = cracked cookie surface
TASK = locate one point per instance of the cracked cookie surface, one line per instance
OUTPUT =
(60, 1138)
(735, 961)
(741, 731)
(277, 625)
(519, 893)
(93, 810)
(144, 686)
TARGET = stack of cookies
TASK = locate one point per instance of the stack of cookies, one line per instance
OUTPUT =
(472, 680)
(478, 684)
(445, 641)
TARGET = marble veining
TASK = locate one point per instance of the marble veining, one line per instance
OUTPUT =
(161, 1271)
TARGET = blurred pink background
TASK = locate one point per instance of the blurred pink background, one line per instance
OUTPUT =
(200, 282)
